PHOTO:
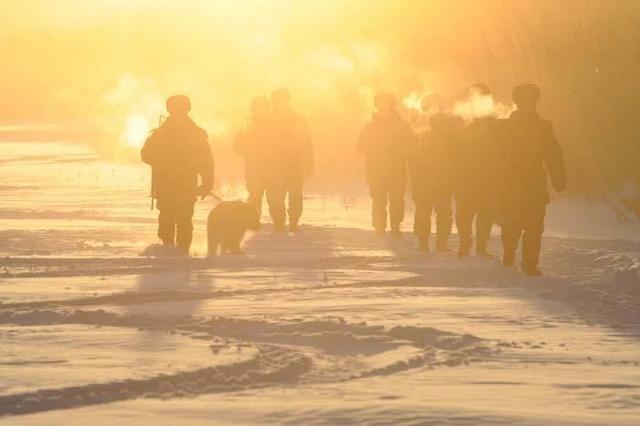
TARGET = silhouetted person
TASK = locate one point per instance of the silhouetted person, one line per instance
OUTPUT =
(432, 171)
(530, 152)
(385, 143)
(178, 152)
(253, 143)
(291, 145)
(475, 191)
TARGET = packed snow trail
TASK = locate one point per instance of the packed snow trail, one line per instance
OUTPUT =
(331, 325)
(329, 310)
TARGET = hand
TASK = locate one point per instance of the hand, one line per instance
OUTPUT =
(308, 168)
(560, 186)
(203, 191)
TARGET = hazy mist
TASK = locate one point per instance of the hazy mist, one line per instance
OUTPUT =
(98, 72)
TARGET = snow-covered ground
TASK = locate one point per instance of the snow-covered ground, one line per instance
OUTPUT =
(333, 325)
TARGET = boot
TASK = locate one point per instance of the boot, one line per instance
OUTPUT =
(465, 247)
(509, 259)
(442, 244)
(423, 244)
(532, 271)
(482, 251)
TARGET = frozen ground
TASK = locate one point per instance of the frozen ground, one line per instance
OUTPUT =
(330, 326)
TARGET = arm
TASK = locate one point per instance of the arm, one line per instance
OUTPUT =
(419, 169)
(240, 143)
(409, 140)
(554, 161)
(362, 144)
(413, 164)
(207, 165)
(307, 148)
(148, 150)
(409, 146)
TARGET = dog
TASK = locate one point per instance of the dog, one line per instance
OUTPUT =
(227, 224)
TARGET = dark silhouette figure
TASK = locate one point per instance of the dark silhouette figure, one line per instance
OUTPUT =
(291, 145)
(178, 152)
(530, 152)
(475, 190)
(385, 142)
(253, 143)
(227, 224)
(432, 175)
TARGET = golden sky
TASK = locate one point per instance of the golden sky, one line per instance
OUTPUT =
(104, 67)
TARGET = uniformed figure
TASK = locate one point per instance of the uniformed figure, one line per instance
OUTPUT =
(476, 162)
(432, 171)
(530, 153)
(178, 152)
(291, 145)
(253, 143)
(385, 143)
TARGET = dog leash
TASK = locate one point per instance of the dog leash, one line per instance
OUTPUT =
(215, 197)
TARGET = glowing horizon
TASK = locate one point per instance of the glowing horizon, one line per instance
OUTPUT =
(96, 67)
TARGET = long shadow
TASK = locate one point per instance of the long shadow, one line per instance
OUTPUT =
(316, 250)
(177, 291)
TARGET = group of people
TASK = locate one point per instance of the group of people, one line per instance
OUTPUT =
(275, 144)
(276, 147)
(495, 170)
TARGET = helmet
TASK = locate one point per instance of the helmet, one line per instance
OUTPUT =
(385, 100)
(260, 104)
(178, 104)
(280, 97)
(526, 94)
(478, 88)
(432, 103)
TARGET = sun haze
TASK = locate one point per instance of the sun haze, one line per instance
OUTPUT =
(320, 212)
(103, 66)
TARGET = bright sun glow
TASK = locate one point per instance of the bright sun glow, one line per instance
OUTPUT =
(136, 131)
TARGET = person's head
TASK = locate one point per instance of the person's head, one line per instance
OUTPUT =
(178, 105)
(260, 106)
(280, 99)
(385, 103)
(526, 97)
(478, 89)
(431, 104)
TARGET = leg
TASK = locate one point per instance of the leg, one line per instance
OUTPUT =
(484, 223)
(512, 226)
(444, 220)
(256, 194)
(532, 239)
(167, 222)
(212, 244)
(275, 198)
(422, 222)
(396, 205)
(234, 242)
(184, 226)
(379, 195)
(224, 245)
(295, 190)
(262, 192)
(465, 212)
